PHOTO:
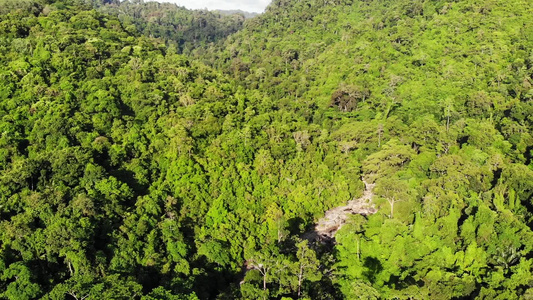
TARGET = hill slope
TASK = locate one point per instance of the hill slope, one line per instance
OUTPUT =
(128, 171)
(180, 27)
(435, 99)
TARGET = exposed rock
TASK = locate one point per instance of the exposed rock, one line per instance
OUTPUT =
(335, 218)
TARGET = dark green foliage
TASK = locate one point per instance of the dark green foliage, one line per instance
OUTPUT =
(128, 171)
(185, 29)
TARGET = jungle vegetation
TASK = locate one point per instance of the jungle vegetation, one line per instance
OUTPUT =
(152, 152)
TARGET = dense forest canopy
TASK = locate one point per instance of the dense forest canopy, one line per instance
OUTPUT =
(182, 28)
(153, 152)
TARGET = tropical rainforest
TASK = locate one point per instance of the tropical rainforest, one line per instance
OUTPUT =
(152, 152)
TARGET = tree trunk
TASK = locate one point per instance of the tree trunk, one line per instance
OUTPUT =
(358, 251)
(300, 281)
(380, 132)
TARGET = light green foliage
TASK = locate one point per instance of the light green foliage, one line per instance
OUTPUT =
(384, 163)
(21, 286)
(401, 257)
(393, 190)
(128, 171)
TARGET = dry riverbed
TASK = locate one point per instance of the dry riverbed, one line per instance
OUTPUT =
(335, 218)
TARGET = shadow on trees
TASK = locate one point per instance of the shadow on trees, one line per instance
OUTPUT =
(128, 177)
(324, 289)
(213, 280)
(150, 277)
(295, 225)
(373, 266)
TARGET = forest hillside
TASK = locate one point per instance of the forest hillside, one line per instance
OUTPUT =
(152, 152)
(179, 27)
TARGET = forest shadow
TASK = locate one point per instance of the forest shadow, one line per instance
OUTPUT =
(528, 155)
(150, 277)
(373, 266)
(295, 225)
(215, 281)
(324, 289)
(128, 177)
